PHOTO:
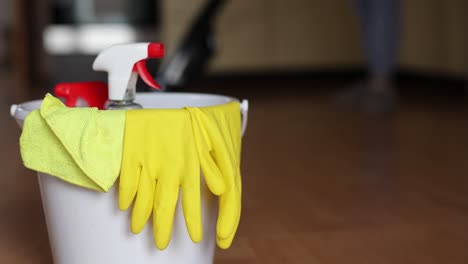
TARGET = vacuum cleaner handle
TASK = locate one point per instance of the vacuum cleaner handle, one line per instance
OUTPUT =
(195, 50)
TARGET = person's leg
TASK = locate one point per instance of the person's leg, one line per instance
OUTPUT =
(382, 28)
(352, 94)
(379, 21)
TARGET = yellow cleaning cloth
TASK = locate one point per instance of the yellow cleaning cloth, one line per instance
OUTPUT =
(217, 132)
(42, 151)
(91, 138)
(159, 158)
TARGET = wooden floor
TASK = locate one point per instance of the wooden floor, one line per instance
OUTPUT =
(321, 185)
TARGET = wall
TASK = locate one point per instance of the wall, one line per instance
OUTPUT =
(435, 36)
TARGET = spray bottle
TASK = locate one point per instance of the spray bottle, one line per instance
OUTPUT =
(124, 63)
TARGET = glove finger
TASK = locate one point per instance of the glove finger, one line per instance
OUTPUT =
(224, 156)
(128, 184)
(191, 202)
(226, 243)
(229, 203)
(213, 176)
(165, 203)
(229, 209)
(144, 202)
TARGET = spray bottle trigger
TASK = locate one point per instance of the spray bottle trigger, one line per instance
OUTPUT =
(140, 68)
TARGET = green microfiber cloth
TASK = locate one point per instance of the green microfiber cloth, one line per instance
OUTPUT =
(82, 146)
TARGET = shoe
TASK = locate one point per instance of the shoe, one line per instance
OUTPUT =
(366, 99)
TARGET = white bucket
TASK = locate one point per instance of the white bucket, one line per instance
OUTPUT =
(86, 227)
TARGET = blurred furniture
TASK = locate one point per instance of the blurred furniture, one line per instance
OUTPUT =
(79, 29)
(28, 56)
(57, 40)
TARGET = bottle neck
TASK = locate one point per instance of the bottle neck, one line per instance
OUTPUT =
(127, 101)
(122, 105)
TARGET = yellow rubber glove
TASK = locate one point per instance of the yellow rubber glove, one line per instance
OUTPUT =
(67, 140)
(159, 158)
(217, 132)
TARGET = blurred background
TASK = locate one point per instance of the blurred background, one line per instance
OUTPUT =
(356, 148)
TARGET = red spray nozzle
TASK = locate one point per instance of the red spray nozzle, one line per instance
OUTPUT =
(155, 50)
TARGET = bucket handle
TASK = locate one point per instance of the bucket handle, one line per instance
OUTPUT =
(244, 107)
(13, 108)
